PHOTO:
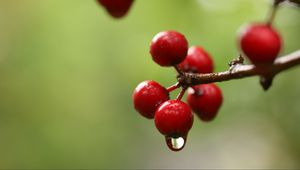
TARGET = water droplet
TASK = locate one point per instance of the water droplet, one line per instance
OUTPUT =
(175, 143)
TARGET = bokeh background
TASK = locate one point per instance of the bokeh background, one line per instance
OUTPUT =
(67, 72)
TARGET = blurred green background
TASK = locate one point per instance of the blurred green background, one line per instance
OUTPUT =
(67, 72)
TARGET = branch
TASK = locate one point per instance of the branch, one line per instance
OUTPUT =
(238, 71)
(296, 2)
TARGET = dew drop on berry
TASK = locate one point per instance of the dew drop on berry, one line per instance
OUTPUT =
(175, 143)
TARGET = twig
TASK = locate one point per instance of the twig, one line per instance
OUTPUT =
(242, 71)
(296, 2)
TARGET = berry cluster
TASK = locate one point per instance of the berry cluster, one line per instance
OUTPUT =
(259, 42)
(174, 118)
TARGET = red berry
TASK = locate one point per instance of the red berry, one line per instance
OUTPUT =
(197, 61)
(148, 96)
(116, 8)
(174, 118)
(205, 100)
(260, 43)
(169, 48)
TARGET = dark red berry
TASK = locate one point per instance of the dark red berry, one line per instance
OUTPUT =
(174, 118)
(169, 48)
(260, 43)
(148, 96)
(197, 61)
(205, 100)
(116, 8)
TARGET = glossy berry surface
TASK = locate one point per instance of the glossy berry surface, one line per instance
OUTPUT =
(260, 43)
(197, 61)
(205, 100)
(148, 96)
(116, 8)
(174, 118)
(169, 48)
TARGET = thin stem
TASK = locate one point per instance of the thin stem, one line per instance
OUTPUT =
(180, 95)
(178, 70)
(173, 87)
(272, 13)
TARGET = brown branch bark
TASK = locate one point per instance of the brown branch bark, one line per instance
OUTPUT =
(296, 2)
(239, 70)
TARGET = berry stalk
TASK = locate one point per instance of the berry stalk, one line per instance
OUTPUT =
(181, 94)
(173, 87)
(273, 12)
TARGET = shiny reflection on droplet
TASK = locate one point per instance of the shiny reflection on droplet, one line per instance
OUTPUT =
(175, 143)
